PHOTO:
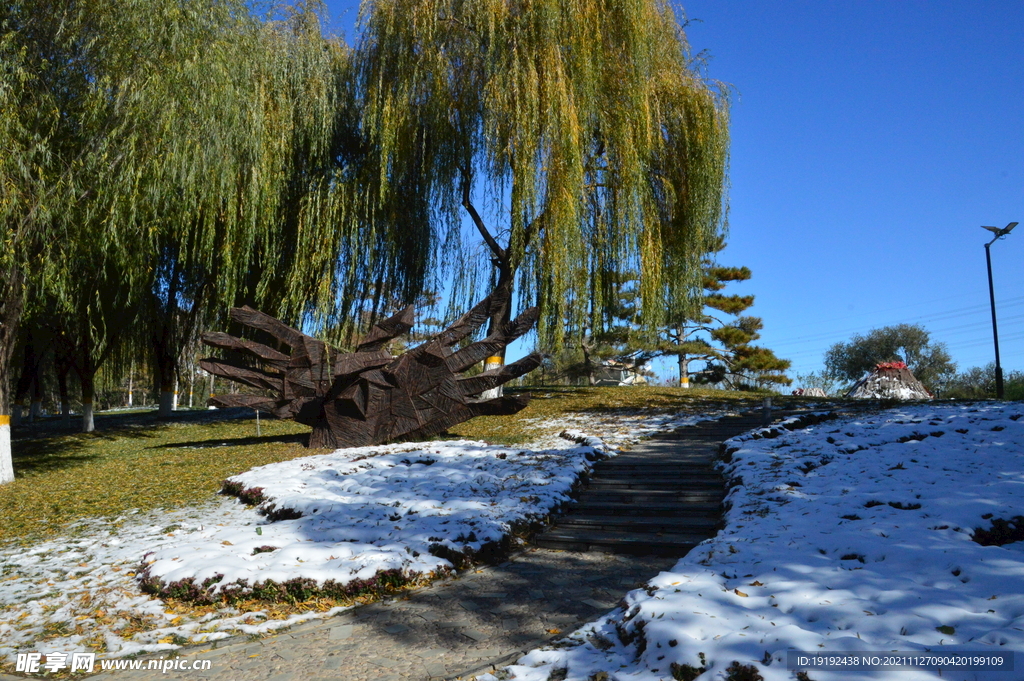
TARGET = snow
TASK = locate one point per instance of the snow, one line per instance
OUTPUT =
(851, 535)
(364, 510)
(376, 508)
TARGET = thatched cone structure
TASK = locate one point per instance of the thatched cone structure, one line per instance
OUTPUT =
(889, 381)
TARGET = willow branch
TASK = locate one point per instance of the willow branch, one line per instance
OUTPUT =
(498, 251)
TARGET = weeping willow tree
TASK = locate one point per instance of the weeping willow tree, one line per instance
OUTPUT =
(249, 200)
(260, 192)
(575, 136)
(113, 87)
(171, 157)
(57, 127)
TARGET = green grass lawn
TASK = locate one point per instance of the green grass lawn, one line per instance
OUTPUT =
(134, 461)
(64, 478)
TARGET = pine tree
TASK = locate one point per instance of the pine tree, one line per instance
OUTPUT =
(722, 335)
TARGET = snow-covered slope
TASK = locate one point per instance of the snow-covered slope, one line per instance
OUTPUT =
(851, 535)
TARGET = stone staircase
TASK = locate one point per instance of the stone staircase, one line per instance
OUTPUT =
(661, 498)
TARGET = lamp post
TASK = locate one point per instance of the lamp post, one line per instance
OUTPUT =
(999, 234)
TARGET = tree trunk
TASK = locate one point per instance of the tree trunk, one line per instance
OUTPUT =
(490, 364)
(6, 460)
(684, 362)
(35, 411)
(88, 394)
(166, 376)
(63, 367)
(85, 367)
(11, 309)
(591, 379)
(131, 379)
(25, 380)
(166, 402)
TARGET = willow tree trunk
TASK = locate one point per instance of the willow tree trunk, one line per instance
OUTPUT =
(63, 367)
(588, 363)
(11, 309)
(684, 362)
(35, 411)
(23, 388)
(6, 460)
(88, 379)
(85, 367)
(166, 373)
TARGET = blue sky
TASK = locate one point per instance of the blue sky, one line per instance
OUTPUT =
(870, 140)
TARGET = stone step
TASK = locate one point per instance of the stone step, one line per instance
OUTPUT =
(653, 484)
(645, 523)
(615, 467)
(672, 476)
(670, 456)
(662, 497)
(620, 542)
(649, 508)
(632, 496)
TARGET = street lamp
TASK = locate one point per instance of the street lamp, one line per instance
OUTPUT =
(999, 234)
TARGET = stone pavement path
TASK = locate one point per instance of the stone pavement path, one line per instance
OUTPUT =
(450, 629)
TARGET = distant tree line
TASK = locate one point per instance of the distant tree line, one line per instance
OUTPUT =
(929, 361)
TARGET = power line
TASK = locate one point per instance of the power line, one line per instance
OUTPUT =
(939, 316)
(944, 334)
(876, 311)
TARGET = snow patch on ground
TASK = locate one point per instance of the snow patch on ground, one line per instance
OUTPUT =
(364, 509)
(851, 535)
(370, 509)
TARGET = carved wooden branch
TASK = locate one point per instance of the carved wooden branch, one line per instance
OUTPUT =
(368, 397)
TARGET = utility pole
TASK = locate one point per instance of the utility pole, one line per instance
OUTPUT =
(999, 234)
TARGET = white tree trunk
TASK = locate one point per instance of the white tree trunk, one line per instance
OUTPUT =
(174, 402)
(131, 373)
(489, 365)
(6, 462)
(87, 421)
(684, 363)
